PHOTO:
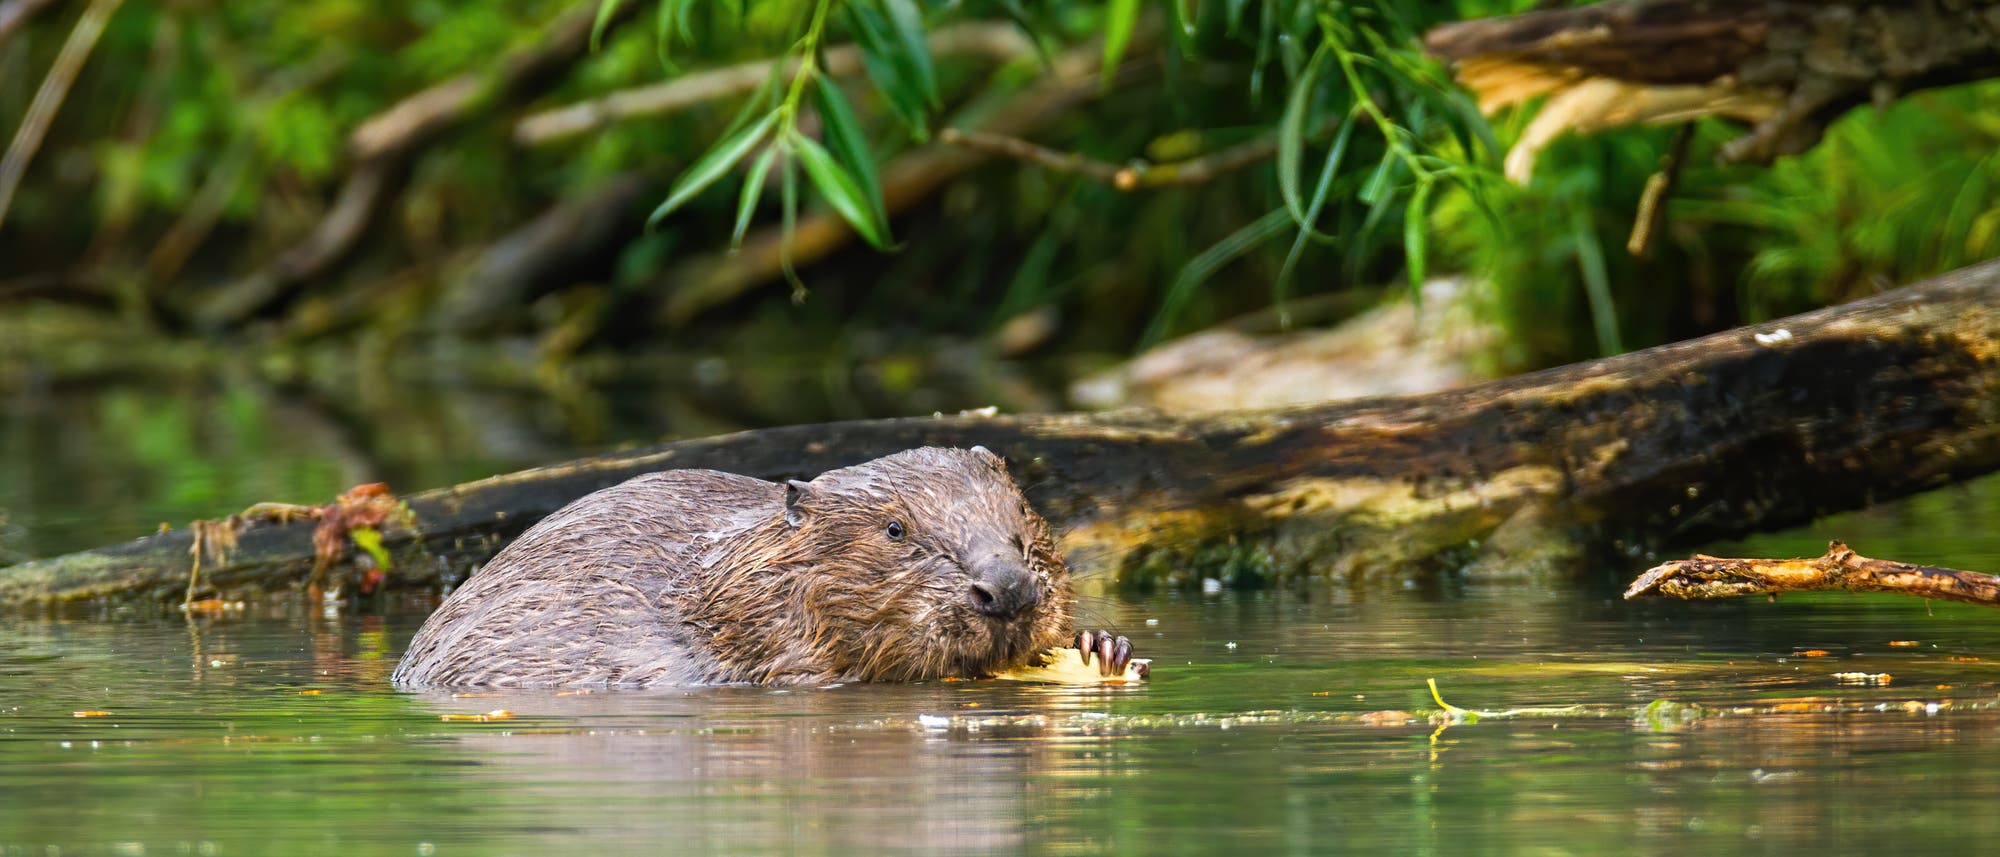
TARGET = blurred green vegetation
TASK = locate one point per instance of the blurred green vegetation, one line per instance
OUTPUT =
(229, 125)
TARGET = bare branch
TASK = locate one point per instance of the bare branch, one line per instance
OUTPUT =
(1073, 163)
(49, 99)
(1136, 175)
(1840, 569)
(1659, 187)
(383, 148)
(707, 281)
(1002, 42)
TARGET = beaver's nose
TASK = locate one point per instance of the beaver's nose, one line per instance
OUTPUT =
(1003, 587)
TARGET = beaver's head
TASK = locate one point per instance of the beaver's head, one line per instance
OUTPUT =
(925, 564)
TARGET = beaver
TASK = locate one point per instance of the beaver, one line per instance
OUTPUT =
(920, 565)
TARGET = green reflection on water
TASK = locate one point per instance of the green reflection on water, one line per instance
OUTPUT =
(214, 741)
(213, 744)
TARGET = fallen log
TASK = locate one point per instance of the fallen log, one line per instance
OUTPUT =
(1744, 430)
(1786, 67)
(1839, 569)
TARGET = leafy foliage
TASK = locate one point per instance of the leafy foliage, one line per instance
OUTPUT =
(1380, 170)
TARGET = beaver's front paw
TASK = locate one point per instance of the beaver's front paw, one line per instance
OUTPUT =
(1112, 652)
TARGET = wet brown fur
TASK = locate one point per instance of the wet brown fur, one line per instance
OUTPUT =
(699, 577)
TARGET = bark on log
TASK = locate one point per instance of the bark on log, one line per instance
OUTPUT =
(1748, 429)
(1788, 67)
(1841, 569)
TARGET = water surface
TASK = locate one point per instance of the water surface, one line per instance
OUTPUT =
(1294, 720)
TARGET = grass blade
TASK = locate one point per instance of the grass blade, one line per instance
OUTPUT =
(1596, 283)
(1292, 140)
(1200, 268)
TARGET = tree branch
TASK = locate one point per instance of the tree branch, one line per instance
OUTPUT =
(708, 281)
(1002, 42)
(1840, 569)
(384, 147)
(1127, 177)
(49, 98)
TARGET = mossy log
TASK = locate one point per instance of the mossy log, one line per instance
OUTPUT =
(1744, 430)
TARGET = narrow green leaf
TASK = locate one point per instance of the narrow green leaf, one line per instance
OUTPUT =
(890, 76)
(712, 165)
(1596, 283)
(1413, 235)
(1181, 28)
(1378, 188)
(1200, 268)
(1292, 140)
(908, 23)
(1120, 18)
(603, 20)
(834, 183)
(850, 146)
(663, 32)
(788, 205)
(753, 189)
(1310, 227)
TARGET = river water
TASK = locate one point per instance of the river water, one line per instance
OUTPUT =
(1291, 720)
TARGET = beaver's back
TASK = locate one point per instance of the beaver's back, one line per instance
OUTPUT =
(586, 596)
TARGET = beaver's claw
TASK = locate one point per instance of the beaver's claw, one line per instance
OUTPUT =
(1113, 653)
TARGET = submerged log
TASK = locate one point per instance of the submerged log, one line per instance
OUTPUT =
(1839, 569)
(1744, 430)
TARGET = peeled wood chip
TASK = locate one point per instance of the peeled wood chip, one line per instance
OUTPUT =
(495, 714)
(1066, 666)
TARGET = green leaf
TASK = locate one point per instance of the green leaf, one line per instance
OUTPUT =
(1292, 140)
(603, 20)
(850, 146)
(834, 183)
(1310, 228)
(712, 165)
(915, 56)
(1596, 283)
(1181, 27)
(1200, 268)
(753, 189)
(1413, 235)
(891, 76)
(1120, 18)
(788, 197)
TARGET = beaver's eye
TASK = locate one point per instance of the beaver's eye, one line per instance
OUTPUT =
(895, 531)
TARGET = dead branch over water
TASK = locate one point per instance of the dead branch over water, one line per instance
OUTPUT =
(1840, 569)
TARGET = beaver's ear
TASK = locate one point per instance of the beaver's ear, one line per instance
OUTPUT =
(991, 458)
(796, 492)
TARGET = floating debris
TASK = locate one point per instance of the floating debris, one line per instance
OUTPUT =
(90, 713)
(1862, 678)
(495, 714)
